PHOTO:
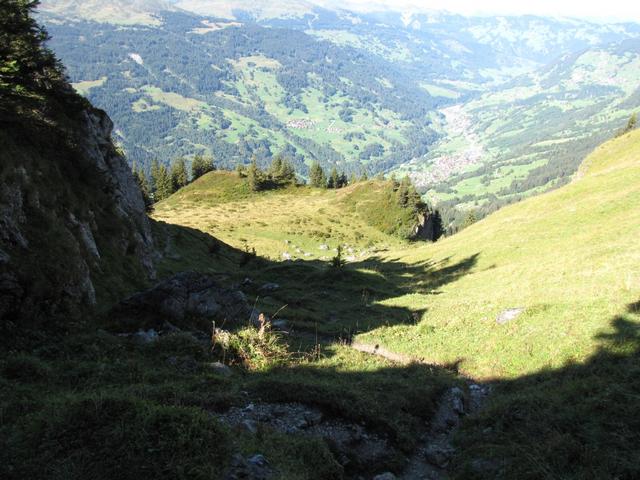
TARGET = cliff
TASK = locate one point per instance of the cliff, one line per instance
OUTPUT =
(73, 227)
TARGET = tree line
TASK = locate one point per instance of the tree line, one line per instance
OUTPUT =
(164, 180)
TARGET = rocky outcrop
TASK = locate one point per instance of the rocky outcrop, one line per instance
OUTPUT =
(187, 299)
(425, 227)
(73, 226)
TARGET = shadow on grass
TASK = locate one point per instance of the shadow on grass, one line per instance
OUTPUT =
(581, 421)
(69, 397)
(311, 295)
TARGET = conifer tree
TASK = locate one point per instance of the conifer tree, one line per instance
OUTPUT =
(438, 227)
(334, 179)
(402, 192)
(27, 68)
(254, 176)
(179, 176)
(470, 219)
(317, 177)
(276, 168)
(201, 165)
(342, 180)
(162, 184)
(240, 170)
(287, 173)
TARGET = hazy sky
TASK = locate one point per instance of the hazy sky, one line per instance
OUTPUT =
(595, 9)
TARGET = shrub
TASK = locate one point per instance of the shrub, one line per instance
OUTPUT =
(257, 350)
(115, 438)
(25, 368)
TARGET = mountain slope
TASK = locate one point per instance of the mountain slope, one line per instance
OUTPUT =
(532, 133)
(242, 89)
(568, 258)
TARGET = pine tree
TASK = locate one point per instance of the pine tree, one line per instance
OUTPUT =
(287, 173)
(470, 219)
(334, 179)
(201, 165)
(316, 176)
(240, 170)
(342, 180)
(402, 192)
(364, 177)
(155, 167)
(255, 176)
(179, 177)
(163, 186)
(27, 68)
(276, 169)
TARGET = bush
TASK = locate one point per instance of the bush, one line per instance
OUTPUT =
(25, 368)
(115, 438)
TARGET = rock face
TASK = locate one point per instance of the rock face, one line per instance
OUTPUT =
(73, 226)
(184, 298)
(425, 227)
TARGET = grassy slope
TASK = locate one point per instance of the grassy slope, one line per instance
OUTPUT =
(221, 204)
(570, 258)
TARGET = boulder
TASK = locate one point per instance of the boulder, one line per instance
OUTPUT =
(439, 455)
(269, 287)
(256, 467)
(183, 298)
(145, 337)
(220, 369)
(385, 476)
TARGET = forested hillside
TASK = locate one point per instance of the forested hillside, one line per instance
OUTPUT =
(479, 111)
(450, 100)
(532, 133)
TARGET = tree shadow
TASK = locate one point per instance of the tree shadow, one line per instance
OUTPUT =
(312, 296)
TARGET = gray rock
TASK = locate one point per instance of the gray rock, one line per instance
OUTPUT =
(509, 315)
(220, 368)
(457, 400)
(269, 287)
(255, 467)
(185, 296)
(286, 256)
(250, 426)
(439, 455)
(258, 460)
(145, 337)
(4, 257)
(324, 247)
(385, 476)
